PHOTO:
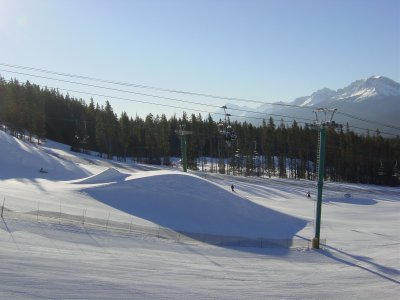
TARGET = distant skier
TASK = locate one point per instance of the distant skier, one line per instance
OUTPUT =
(308, 195)
(42, 170)
(233, 188)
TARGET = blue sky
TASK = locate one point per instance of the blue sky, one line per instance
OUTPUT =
(263, 50)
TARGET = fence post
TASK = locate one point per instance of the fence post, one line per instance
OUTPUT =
(59, 217)
(107, 221)
(2, 208)
(83, 216)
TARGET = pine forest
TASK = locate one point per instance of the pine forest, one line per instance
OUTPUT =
(272, 149)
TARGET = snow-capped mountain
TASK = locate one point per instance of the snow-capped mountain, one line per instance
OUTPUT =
(376, 98)
(315, 98)
(365, 88)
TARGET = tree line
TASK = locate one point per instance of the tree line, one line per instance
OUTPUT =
(272, 150)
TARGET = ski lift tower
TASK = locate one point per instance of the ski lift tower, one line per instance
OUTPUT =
(324, 118)
(182, 133)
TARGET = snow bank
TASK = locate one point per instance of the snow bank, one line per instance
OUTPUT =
(109, 175)
(188, 203)
(24, 160)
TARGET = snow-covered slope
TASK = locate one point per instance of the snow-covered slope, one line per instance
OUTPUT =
(170, 199)
(190, 204)
(375, 86)
(363, 89)
(59, 259)
(24, 160)
(107, 176)
(315, 98)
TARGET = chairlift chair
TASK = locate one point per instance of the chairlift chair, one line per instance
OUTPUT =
(231, 133)
(221, 127)
(226, 130)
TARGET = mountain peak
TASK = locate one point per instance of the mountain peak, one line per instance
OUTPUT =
(315, 97)
(365, 96)
(373, 86)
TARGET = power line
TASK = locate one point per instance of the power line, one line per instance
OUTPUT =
(149, 95)
(171, 106)
(153, 87)
(174, 91)
(191, 102)
(367, 121)
(183, 92)
(197, 110)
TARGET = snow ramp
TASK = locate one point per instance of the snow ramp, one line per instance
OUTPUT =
(191, 204)
(107, 176)
(21, 159)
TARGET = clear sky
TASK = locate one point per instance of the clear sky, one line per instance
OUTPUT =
(264, 50)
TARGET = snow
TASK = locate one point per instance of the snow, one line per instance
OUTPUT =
(370, 87)
(53, 259)
(107, 176)
(318, 96)
(25, 161)
(357, 91)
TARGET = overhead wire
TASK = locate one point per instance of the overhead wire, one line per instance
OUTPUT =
(167, 105)
(149, 95)
(173, 91)
(183, 101)
(187, 93)
(367, 121)
(199, 110)
(152, 87)
(168, 98)
(177, 100)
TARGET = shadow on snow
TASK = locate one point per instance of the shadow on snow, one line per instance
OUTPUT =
(196, 207)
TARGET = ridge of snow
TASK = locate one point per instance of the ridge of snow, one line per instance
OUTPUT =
(357, 91)
(374, 87)
(27, 159)
(319, 96)
(370, 87)
(107, 176)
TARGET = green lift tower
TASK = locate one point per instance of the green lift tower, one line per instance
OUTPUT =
(322, 125)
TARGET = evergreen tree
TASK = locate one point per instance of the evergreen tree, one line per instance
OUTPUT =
(125, 134)
(285, 151)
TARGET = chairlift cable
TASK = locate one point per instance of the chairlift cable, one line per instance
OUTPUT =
(134, 85)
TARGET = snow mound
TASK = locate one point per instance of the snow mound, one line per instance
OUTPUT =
(21, 159)
(190, 204)
(107, 176)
